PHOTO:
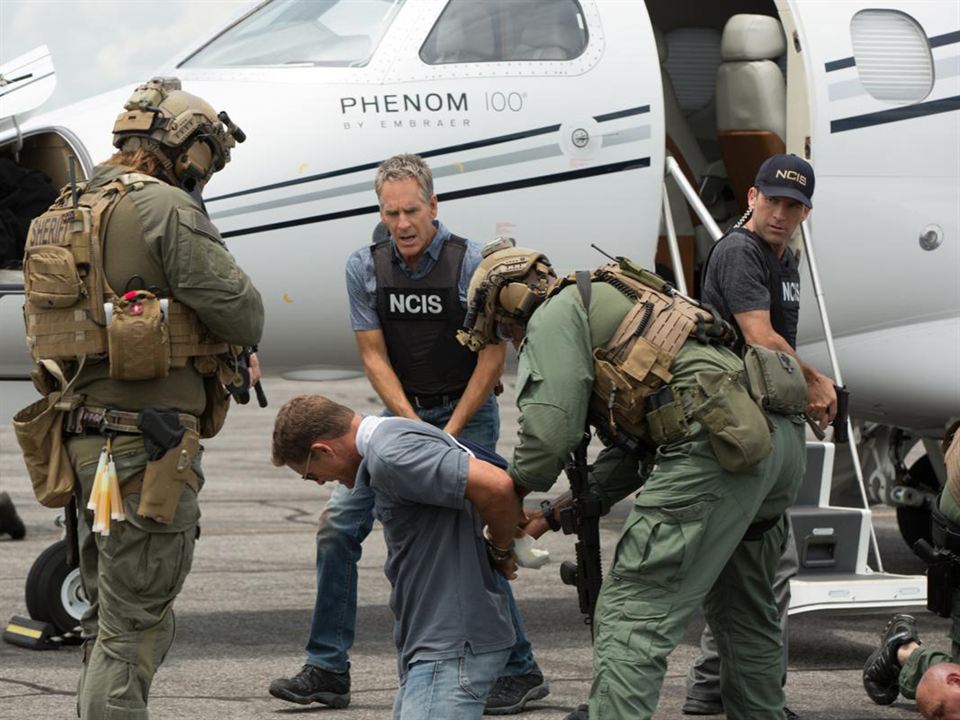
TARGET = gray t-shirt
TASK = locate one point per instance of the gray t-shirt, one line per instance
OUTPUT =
(445, 594)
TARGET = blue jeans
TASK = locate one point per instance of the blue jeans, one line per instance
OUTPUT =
(451, 689)
(345, 522)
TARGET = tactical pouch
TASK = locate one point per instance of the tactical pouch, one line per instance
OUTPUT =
(739, 431)
(51, 278)
(163, 480)
(39, 431)
(775, 380)
(666, 419)
(138, 340)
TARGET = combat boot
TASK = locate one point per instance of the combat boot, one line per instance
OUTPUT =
(313, 684)
(882, 670)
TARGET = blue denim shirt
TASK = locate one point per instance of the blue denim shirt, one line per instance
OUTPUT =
(362, 279)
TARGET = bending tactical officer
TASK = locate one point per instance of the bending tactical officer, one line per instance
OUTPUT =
(618, 348)
(900, 665)
(408, 293)
(752, 279)
(131, 299)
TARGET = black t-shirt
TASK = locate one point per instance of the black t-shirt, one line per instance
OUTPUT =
(737, 279)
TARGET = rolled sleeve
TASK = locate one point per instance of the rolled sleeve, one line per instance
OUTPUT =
(362, 290)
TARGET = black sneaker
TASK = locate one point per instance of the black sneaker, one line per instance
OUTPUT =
(696, 706)
(581, 713)
(512, 692)
(10, 522)
(313, 684)
(790, 714)
(882, 670)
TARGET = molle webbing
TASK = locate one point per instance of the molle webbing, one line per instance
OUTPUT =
(66, 286)
(188, 336)
(64, 283)
(636, 361)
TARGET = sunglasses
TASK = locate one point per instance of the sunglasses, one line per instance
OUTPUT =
(306, 468)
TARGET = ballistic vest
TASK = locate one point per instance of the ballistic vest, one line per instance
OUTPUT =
(783, 284)
(66, 289)
(635, 363)
(420, 319)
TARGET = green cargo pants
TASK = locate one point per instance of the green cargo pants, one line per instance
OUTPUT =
(683, 547)
(923, 658)
(131, 578)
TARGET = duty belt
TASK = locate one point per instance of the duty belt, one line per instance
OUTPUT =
(86, 417)
(426, 402)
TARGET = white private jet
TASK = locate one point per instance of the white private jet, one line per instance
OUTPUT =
(634, 125)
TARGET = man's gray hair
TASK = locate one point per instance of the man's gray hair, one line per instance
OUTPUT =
(401, 167)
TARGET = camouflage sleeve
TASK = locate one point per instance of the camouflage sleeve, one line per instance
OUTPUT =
(204, 276)
(554, 382)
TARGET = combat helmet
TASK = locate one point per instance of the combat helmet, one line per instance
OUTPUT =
(508, 285)
(171, 123)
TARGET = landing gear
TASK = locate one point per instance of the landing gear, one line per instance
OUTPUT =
(54, 593)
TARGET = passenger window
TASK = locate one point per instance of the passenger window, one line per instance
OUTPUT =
(892, 54)
(506, 30)
(693, 56)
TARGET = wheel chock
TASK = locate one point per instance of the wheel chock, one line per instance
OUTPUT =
(30, 634)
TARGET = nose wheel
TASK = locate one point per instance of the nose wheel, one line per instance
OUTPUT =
(54, 591)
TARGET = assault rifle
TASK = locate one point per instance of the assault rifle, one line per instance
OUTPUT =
(582, 517)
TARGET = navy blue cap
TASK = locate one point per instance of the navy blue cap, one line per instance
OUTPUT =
(786, 176)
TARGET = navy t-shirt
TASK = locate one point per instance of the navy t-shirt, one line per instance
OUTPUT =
(445, 594)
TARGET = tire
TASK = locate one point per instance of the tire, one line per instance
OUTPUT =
(914, 523)
(54, 594)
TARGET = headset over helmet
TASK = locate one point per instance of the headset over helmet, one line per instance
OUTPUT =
(507, 286)
(189, 137)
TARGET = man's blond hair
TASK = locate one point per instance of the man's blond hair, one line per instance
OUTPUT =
(304, 420)
(401, 167)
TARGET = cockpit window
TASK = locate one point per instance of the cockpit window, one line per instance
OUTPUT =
(331, 33)
(506, 30)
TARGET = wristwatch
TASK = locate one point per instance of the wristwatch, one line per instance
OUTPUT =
(552, 521)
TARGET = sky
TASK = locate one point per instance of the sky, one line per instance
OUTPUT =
(99, 45)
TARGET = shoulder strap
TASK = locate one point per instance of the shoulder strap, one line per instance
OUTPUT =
(583, 285)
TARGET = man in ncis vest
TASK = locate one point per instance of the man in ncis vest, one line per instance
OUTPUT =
(407, 301)
(140, 384)
(618, 349)
(752, 278)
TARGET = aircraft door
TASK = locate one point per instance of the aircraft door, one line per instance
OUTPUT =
(885, 137)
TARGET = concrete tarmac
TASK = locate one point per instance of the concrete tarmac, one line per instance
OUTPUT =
(244, 614)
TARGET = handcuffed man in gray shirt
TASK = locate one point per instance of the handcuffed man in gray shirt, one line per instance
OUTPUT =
(453, 630)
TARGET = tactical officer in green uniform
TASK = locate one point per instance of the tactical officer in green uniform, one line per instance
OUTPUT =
(649, 370)
(900, 665)
(131, 299)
